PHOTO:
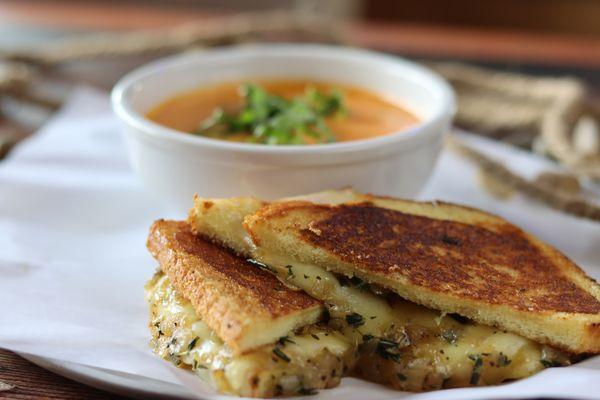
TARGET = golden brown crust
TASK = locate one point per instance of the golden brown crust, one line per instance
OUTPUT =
(447, 256)
(227, 292)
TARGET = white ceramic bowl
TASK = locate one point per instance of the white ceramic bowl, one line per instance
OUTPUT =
(174, 166)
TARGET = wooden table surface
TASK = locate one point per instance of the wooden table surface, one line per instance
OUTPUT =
(32, 382)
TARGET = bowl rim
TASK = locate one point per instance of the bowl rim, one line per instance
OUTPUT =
(124, 110)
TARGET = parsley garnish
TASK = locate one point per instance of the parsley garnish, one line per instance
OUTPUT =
(307, 391)
(389, 350)
(284, 339)
(477, 366)
(550, 359)
(290, 271)
(271, 119)
(550, 363)
(450, 336)
(193, 343)
(503, 361)
(260, 265)
(277, 351)
(367, 337)
(355, 320)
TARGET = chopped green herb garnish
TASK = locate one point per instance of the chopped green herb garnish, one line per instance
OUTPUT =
(550, 363)
(552, 358)
(401, 377)
(355, 320)
(260, 265)
(193, 343)
(450, 336)
(503, 361)
(284, 339)
(271, 119)
(277, 351)
(389, 350)
(307, 391)
(477, 366)
(367, 338)
(388, 343)
(290, 271)
(389, 355)
(314, 336)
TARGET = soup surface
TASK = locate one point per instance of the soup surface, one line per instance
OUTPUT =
(362, 115)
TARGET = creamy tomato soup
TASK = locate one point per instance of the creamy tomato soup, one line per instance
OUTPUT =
(362, 115)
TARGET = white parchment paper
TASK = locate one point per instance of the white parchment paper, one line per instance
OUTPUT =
(73, 223)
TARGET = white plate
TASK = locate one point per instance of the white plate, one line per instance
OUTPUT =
(120, 383)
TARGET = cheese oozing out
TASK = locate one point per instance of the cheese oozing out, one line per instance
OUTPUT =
(312, 358)
(411, 347)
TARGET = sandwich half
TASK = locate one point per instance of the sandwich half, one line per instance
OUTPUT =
(442, 295)
(236, 325)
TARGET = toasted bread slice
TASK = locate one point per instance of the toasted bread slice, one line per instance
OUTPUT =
(443, 256)
(246, 306)
(221, 220)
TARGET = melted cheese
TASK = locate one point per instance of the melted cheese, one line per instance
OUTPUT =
(433, 350)
(310, 359)
(342, 300)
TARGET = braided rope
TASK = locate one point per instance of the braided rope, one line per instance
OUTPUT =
(14, 75)
(500, 101)
(548, 195)
(173, 39)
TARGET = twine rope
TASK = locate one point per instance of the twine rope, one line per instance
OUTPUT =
(547, 195)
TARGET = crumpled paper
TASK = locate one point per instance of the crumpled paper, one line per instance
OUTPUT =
(73, 224)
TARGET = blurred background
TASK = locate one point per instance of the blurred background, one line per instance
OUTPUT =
(526, 71)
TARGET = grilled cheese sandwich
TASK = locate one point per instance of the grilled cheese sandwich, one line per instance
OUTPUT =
(414, 355)
(236, 325)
